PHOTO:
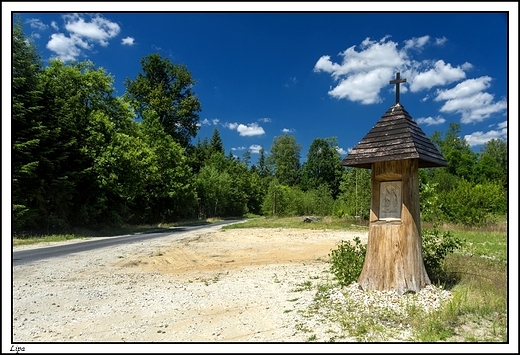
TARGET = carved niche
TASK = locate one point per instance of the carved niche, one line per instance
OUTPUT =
(390, 200)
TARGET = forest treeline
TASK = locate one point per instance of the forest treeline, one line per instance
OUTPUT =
(84, 157)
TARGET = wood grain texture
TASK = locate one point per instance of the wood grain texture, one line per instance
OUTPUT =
(394, 250)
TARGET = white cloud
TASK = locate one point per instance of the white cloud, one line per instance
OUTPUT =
(341, 151)
(374, 55)
(81, 35)
(416, 43)
(54, 25)
(128, 41)
(502, 124)
(231, 126)
(66, 48)
(291, 82)
(238, 148)
(215, 121)
(475, 108)
(361, 75)
(480, 138)
(440, 74)
(469, 99)
(365, 70)
(264, 119)
(440, 41)
(255, 148)
(37, 24)
(287, 130)
(467, 88)
(363, 87)
(429, 121)
(251, 129)
(100, 29)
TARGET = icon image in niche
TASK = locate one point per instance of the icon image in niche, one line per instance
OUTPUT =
(390, 200)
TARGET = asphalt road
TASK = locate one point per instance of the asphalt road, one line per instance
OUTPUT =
(31, 255)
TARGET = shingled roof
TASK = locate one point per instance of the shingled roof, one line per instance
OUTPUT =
(396, 136)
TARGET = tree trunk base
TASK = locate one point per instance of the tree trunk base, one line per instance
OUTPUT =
(393, 261)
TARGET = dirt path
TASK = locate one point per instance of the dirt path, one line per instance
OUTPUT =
(237, 285)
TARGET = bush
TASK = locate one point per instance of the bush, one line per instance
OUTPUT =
(347, 261)
(436, 245)
(472, 204)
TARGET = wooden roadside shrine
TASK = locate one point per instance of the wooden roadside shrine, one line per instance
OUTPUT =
(394, 149)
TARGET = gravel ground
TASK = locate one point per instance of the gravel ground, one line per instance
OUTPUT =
(245, 288)
(240, 285)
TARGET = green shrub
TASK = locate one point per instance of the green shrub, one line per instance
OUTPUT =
(436, 245)
(472, 204)
(346, 262)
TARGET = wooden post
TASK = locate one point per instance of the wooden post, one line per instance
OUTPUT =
(395, 148)
(394, 251)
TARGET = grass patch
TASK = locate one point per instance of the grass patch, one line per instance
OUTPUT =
(29, 240)
(486, 244)
(304, 286)
(476, 277)
(331, 223)
(78, 233)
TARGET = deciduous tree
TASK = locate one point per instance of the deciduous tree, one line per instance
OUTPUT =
(285, 159)
(322, 166)
(167, 89)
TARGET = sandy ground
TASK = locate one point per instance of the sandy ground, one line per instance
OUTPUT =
(237, 285)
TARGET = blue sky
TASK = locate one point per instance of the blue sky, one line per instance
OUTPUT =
(307, 74)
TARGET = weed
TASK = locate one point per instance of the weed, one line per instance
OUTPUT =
(312, 338)
(304, 286)
(346, 262)
(301, 327)
(436, 245)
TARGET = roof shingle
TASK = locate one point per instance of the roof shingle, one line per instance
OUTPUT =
(396, 136)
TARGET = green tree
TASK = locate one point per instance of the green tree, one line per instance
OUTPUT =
(256, 193)
(285, 159)
(166, 88)
(198, 154)
(355, 193)
(241, 189)
(73, 94)
(215, 143)
(323, 166)
(27, 128)
(473, 204)
(262, 166)
(457, 152)
(246, 157)
(492, 162)
(169, 193)
(121, 159)
(276, 200)
(215, 186)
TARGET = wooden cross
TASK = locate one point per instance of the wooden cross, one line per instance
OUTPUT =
(397, 81)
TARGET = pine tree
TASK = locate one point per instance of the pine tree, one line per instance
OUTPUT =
(216, 142)
(27, 128)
